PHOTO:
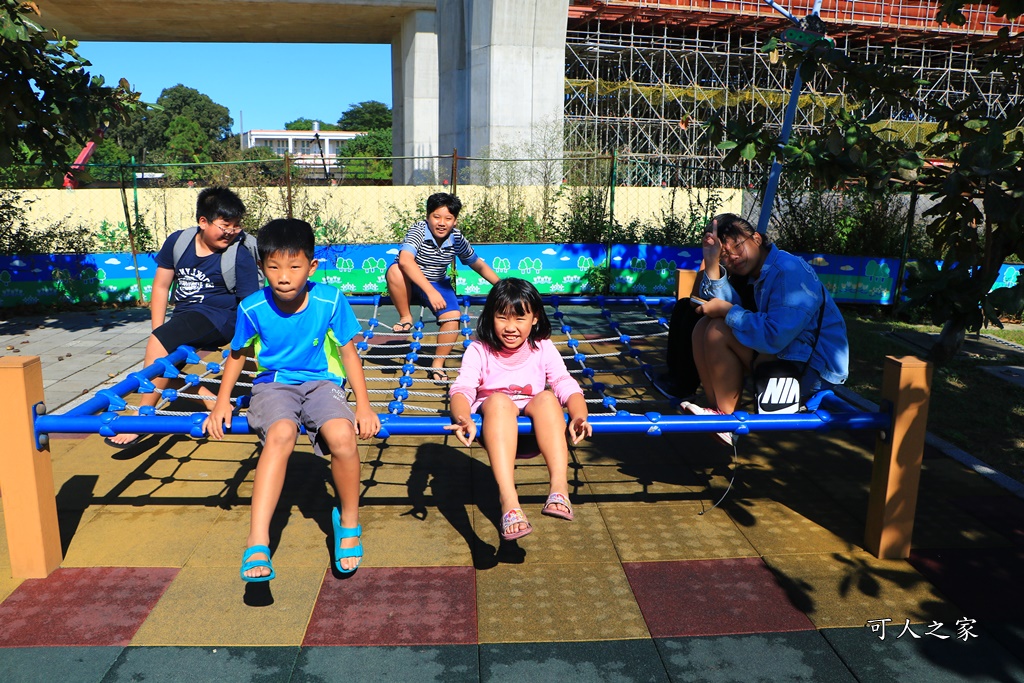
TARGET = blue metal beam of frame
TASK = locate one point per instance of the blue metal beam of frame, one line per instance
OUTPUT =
(831, 414)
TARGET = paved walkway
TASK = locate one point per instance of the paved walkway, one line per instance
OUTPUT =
(772, 586)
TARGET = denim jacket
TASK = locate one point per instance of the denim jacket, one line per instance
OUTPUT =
(788, 295)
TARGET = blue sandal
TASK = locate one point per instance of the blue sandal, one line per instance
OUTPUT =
(248, 564)
(341, 532)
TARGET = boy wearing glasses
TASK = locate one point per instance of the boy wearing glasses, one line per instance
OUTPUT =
(204, 304)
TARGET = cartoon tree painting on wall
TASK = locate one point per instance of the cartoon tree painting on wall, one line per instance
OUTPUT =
(584, 263)
(528, 265)
(5, 278)
(665, 267)
(347, 265)
(501, 264)
(638, 264)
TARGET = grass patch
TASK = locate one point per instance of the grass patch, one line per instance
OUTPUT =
(971, 408)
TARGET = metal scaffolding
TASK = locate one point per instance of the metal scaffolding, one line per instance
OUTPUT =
(642, 77)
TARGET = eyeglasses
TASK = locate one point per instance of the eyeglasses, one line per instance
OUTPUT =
(228, 231)
(734, 250)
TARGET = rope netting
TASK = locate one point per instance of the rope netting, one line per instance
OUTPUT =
(613, 346)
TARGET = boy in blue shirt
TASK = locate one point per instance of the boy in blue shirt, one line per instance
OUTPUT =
(302, 333)
(204, 304)
(420, 273)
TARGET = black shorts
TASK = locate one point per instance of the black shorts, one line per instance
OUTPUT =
(190, 329)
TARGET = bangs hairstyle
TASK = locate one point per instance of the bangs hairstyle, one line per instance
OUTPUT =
(516, 296)
(732, 228)
(288, 236)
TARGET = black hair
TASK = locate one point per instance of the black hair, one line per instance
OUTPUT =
(288, 236)
(736, 229)
(219, 202)
(512, 295)
(439, 199)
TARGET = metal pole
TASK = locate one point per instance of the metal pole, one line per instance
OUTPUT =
(611, 219)
(455, 169)
(131, 237)
(288, 181)
(776, 171)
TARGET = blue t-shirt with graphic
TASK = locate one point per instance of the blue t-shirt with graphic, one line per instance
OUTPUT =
(298, 347)
(199, 284)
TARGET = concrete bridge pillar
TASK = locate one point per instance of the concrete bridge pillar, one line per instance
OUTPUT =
(501, 73)
(414, 99)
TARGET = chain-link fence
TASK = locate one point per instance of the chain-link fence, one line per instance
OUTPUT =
(353, 200)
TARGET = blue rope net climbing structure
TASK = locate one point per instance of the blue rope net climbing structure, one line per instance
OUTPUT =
(612, 345)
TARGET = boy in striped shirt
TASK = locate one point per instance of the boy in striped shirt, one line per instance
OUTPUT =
(420, 273)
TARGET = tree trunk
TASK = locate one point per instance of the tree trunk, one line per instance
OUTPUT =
(950, 340)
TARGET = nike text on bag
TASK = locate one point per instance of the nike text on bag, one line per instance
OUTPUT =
(777, 386)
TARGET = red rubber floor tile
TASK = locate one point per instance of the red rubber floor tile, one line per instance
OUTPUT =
(396, 606)
(712, 597)
(82, 606)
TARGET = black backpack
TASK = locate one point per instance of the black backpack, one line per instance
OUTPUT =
(228, 259)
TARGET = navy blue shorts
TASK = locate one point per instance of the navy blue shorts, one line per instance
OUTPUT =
(189, 328)
(451, 302)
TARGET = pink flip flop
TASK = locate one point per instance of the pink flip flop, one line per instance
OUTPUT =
(514, 516)
(551, 511)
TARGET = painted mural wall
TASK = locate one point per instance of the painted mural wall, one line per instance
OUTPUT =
(359, 268)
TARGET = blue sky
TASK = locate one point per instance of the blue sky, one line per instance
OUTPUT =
(264, 84)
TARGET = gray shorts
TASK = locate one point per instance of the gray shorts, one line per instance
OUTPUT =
(310, 405)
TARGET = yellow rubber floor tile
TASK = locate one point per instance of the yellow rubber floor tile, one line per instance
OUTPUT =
(849, 589)
(7, 583)
(297, 539)
(394, 538)
(151, 536)
(639, 474)
(557, 603)
(207, 606)
(772, 528)
(553, 541)
(176, 467)
(435, 474)
(663, 531)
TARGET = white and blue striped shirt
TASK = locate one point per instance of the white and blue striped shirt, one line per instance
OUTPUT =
(432, 258)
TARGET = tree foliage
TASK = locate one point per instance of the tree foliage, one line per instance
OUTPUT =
(307, 124)
(51, 102)
(366, 116)
(970, 166)
(369, 154)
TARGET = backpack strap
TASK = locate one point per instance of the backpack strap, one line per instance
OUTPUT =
(227, 265)
(228, 259)
(185, 237)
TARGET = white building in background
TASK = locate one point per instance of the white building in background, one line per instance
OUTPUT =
(310, 148)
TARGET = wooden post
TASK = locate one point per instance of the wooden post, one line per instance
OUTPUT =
(30, 505)
(686, 283)
(892, 502)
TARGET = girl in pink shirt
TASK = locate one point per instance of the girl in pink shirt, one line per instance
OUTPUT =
(504, 374)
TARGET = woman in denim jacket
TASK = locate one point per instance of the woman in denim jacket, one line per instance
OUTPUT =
(788, 294)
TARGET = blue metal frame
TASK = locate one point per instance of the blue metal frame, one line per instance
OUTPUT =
(97, 415)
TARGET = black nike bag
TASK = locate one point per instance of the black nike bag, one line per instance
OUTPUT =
(777, 386)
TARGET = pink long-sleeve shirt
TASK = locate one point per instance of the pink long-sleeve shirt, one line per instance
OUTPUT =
(522, 374)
